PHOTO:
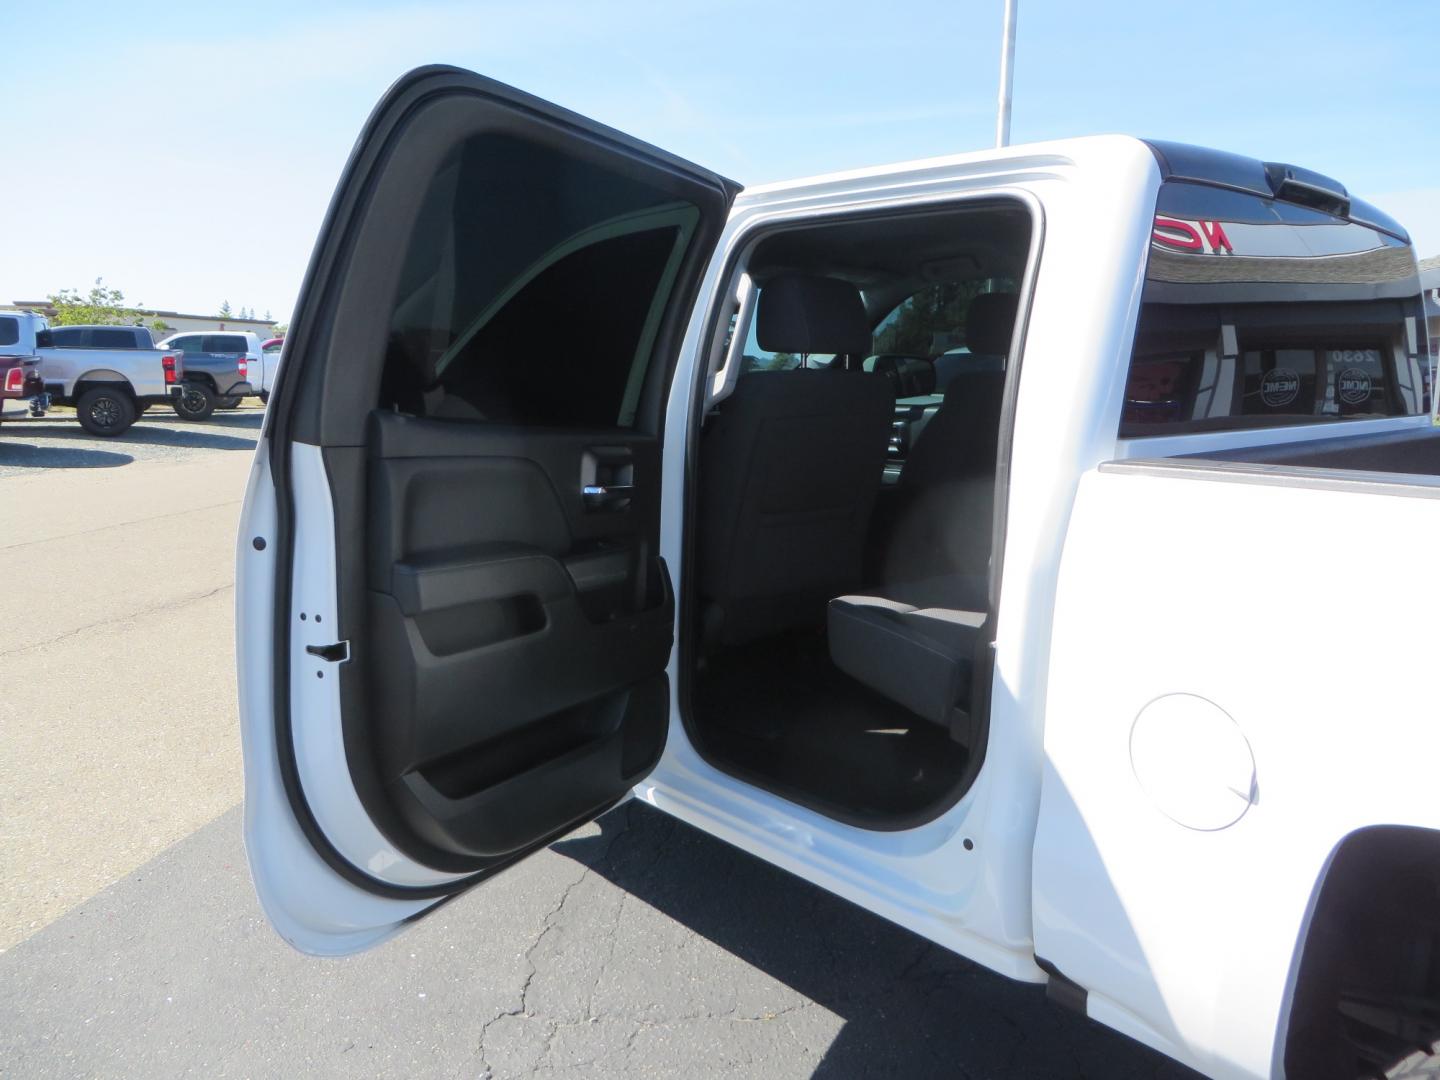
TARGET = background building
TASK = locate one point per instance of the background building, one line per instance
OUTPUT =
(174, 320)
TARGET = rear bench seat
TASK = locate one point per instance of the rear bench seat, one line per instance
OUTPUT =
(920, 658)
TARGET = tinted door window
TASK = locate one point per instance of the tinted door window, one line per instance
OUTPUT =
(224, 343)
(551, 321)
(68, 338)
(189, 343)
(114, 339)
(9, 331)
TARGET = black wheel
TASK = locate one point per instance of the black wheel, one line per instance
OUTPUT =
(196, 402)
(230, 402)
(140, 407)
(264, 397)
(105, 410)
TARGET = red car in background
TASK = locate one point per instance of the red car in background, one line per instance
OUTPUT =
(270, 350)
(19, 377)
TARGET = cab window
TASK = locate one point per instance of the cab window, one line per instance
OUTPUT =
(1236, 331)
(113, 339)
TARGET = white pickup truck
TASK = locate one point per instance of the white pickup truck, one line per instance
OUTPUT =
(110, 374)
(1105, 677)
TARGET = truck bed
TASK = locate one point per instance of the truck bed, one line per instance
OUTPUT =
(1414, 452)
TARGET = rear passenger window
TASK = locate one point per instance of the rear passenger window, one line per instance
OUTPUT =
(223, 343)
(9, 331)
(113, 339)
(551, 320)
(67, 338)
(1242, 326)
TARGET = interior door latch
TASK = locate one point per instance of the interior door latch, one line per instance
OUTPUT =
(339, 652)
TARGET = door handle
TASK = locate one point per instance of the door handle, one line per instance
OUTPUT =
(607, 497)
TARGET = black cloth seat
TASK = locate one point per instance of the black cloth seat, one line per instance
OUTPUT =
(936, 547)
(989, 325)
(791, 463)
(920, 658)
(914, 638)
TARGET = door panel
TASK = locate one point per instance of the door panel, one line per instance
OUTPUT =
(524, 632)
(480, 359)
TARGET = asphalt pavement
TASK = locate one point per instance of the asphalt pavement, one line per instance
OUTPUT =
(133, 945)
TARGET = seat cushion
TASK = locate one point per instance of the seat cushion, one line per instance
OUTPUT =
(920, 658)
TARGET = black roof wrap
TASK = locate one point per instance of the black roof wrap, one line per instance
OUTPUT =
(1200, 165)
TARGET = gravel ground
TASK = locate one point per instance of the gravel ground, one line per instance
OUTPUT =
(58, 442)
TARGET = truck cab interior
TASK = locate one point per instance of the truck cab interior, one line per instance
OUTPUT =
(840, 607)
(496, 462)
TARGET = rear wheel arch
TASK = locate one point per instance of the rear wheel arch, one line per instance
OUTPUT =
(1366, 993)
(100, 375)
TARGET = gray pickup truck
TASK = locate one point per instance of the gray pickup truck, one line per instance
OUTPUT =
(110, 374)
(217, 371)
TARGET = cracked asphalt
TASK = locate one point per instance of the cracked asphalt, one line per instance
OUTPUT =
(133, 944)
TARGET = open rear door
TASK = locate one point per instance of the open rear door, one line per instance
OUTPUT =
(453, 623)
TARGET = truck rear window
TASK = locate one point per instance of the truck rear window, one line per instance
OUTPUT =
(1260, 314)
(114, 339)
(9, 331)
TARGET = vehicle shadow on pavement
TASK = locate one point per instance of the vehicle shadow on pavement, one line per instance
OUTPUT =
(21, 455)
(910, 1008)
(196, 437)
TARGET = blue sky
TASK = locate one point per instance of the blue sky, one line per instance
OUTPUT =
(187, 152)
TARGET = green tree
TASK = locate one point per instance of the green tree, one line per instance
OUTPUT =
(225, 312)
(160, 325)
(101, 304)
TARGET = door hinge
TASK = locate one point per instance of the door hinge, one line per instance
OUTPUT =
(1064, 992)
(336, 653)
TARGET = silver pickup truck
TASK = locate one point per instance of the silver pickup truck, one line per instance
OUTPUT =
(110, 374)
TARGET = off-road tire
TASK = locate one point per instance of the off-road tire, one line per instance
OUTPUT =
(196, 402)
(106, 411)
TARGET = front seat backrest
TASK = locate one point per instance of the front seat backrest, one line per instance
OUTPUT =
(989, 325)
(790, 467)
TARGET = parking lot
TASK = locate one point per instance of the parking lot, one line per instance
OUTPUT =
(133, 944)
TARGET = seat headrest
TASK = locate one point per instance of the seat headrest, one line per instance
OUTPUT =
(989, 323)
(811, 315)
